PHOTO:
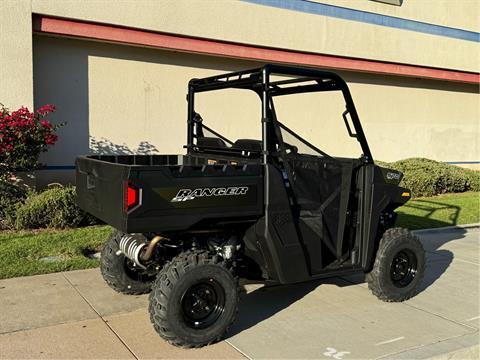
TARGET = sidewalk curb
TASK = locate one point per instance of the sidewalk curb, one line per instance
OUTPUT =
(470, 352)
(448, 228)
(463, 347)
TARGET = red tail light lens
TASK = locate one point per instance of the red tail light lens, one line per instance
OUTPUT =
(131, 197)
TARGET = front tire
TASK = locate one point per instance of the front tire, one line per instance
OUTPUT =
(194, 299)
(119, 272)
(399, 266)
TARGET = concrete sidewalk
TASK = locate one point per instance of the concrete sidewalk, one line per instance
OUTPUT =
(75, 315)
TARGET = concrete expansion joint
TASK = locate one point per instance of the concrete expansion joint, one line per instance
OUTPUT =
(237, 349)
(448, 228)
(37, 327)
(446, 319)
(100, 316)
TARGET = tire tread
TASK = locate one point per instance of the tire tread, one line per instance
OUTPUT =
(163, 287)
(114, 275)
(374, 277)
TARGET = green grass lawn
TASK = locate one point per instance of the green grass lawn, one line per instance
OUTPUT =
(21, 251)
(439, 211)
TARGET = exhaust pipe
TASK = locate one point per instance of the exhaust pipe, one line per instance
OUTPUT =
(151, 246)
(133, 245)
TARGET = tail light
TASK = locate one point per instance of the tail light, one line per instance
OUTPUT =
(132, 197)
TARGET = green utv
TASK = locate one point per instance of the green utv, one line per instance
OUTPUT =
(189, 226)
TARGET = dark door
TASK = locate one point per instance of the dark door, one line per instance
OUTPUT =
(320, 190)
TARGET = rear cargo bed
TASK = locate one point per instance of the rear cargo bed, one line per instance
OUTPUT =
(175, 192)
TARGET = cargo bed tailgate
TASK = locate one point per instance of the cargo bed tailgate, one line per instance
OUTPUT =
(100, 188)
(175, 195)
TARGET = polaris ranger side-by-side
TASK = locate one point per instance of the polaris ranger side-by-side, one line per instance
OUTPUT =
(190, 225)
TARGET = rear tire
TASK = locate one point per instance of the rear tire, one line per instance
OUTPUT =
(118, 272)
(399, 266)
(194, 299)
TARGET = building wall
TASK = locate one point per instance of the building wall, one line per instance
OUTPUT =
(462, 14)
(129, 99)
(16, 72)
(250, 23)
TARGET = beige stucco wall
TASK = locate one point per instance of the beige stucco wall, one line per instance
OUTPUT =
(115, 98)
(16, 72)
(415, 117)
(462, 14)
(118, 97)
(267, 26)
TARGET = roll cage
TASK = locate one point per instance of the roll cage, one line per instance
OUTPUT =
(301, 80)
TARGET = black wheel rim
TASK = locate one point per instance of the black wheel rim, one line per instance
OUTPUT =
(203, 303)
(404, 268)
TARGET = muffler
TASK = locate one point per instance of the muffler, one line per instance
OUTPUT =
(137, 248)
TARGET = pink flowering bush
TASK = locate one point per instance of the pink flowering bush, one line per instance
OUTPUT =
(23, 136)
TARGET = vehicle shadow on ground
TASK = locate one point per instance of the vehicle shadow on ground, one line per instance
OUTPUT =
(426, 214)
(265, 302)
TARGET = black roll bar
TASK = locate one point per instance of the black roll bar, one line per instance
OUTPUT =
(258, 80)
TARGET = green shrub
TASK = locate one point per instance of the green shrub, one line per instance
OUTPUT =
(473, 178)
(426, 177)
(11, 196)
(52, 208)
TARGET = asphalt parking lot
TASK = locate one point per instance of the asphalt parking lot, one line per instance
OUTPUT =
(75, 315)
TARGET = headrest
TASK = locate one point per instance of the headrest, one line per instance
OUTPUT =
(212, 142)
(248, 145)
